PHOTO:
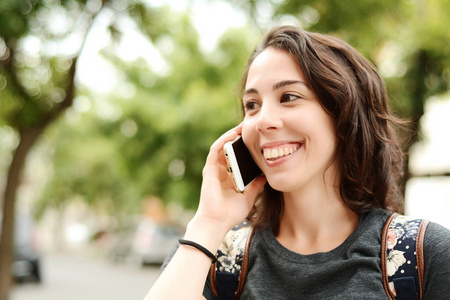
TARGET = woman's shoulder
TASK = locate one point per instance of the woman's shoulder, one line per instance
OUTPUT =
(437, 240)
(436, 250)
(437, 233)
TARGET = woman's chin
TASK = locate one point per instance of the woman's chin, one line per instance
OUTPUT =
(281, 185)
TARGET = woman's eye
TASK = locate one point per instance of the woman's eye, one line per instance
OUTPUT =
(288, 98)
(250, 105)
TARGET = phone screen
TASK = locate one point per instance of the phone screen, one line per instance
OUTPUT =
(248, 168)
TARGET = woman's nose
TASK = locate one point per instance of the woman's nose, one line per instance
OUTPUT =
(269, 118)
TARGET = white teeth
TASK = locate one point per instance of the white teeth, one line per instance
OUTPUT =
(274, 153)
(279, 152)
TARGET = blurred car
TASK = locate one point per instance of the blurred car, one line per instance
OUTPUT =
(145, 243)
(26, 264)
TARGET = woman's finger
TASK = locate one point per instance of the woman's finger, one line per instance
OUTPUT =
(252, 191)
(217, 147)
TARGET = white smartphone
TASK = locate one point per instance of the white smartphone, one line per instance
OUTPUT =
(241, 165)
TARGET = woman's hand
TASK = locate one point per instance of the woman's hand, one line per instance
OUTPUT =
(220, 204)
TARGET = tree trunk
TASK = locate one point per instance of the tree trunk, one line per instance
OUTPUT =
(27, 139)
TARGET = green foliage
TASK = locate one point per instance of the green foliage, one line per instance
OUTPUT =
(425, 59)
(14, 17)
(164, 125)
(161, 123)
(35, 79)
(363, 24)
(86, 165)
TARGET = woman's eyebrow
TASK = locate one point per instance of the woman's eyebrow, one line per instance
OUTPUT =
(276, 86)
(251, 91)
(287, 82)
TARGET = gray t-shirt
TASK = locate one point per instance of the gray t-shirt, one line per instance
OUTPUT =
(351, 271)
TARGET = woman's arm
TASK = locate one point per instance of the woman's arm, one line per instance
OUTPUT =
(185, 275)
(220, 209)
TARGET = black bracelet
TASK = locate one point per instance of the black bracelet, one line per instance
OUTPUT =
(199, 247)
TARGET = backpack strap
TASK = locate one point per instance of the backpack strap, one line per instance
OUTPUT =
(402, 261)
(228, 274)
(244, 268)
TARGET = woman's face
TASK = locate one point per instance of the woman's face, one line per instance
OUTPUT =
(288, 133)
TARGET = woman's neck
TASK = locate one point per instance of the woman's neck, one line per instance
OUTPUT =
(315, 220)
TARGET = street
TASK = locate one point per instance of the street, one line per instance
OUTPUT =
(82, 278)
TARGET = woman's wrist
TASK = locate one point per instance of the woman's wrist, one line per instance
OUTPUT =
(205, 232)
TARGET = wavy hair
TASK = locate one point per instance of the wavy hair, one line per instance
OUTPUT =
(352, 92)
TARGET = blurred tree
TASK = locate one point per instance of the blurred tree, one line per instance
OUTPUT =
(182, 113)
(422, 66)
(40, 42)
(37, 86)
(167, 122)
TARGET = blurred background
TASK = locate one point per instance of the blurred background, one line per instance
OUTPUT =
(108, 109)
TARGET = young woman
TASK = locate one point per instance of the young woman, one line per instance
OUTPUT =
(317, 123)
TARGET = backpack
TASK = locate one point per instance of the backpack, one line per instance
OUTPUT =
(402, 261)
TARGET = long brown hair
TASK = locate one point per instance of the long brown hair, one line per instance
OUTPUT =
(353, 93)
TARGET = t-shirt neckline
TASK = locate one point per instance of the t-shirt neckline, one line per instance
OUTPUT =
(277, 248)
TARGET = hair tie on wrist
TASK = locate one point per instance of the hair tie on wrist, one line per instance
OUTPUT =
(199, 247)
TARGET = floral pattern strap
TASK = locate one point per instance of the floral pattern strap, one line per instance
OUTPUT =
(402, 257)
(231, 260)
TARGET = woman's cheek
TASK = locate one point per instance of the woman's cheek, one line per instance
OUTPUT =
(247, 132)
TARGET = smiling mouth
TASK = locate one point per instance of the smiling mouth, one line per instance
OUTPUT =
(278, 152)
